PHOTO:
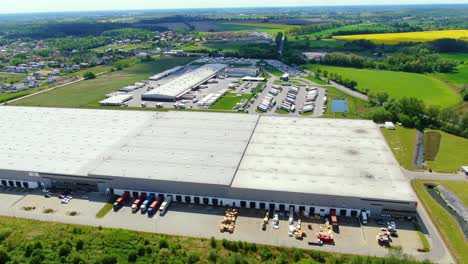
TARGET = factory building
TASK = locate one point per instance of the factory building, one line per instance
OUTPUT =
(240, 72)
(176, 88)
(312, 165)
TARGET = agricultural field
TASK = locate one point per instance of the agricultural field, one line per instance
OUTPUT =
(402, 142)
(89, 93)
(450, 152)
(445, 223)
(399, 84)
(268, 28)
(396, 38)
(357, 108)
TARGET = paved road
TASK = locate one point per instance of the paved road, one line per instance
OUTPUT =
(434, 176)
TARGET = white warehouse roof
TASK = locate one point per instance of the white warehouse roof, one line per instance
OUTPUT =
(184, 83)
(301, 155)
(323, 156)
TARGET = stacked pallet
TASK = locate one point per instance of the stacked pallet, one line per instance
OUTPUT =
(229, 222)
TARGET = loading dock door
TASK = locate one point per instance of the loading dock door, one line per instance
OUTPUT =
(262, 205)
(196, 199)
(187, 199)
(4, 182)
(272, 207)
(215, 201)
(206, 201)
(243, 204)
(253, 204)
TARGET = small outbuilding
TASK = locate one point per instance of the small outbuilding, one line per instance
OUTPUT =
(389, 125)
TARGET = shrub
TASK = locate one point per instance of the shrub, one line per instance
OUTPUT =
(132, 256)
(4, 234)
(28, 249)
(77, 259)
(192, 258)
(109, 260)
(213, 242)
(64, 250)
(79, 244)
(213, 255)
(48, 211)
(89, 75)
(297, 254)
(164, 253)
(141, 251)
(236, 259)
(4, 257)
(266, 254)
(163, 243)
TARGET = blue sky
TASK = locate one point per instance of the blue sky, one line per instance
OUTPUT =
(28, 6)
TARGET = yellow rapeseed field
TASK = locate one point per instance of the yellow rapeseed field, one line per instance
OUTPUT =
(395, 38)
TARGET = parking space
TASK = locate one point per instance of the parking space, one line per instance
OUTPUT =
(203, 221)
(287, 99)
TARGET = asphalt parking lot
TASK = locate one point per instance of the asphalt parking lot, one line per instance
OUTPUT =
(203, 221)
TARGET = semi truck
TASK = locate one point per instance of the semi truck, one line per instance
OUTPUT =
(165, 205)
(119, 202)
(137, 203)
(153, 208)
(145, 205)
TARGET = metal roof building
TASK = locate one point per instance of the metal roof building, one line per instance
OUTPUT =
(230, 159)
(181, 85)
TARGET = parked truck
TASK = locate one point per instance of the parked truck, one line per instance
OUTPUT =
(145, 205)
(165, 205)
(153, 208)
(137, 203)
(334, 219)
(119, 202)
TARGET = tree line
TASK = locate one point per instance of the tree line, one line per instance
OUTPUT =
(413, 112)
(351, 84)
(410, 59)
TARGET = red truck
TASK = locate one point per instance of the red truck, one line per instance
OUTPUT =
(119, 202)
(333, 217)
(137, 203)
(154, 207)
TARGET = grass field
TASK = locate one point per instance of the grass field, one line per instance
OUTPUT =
(395, 38)
(447, 226)
(273, 70)
(316, 80)
(357, 108)
(399, 84)
(11, 77)
(458, 78)
(229, 101)
(402, 141)
(452, 154)
(431, 145)
(89, 93)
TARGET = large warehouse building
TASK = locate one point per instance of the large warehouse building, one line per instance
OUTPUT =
(174, 89)
(313, 165)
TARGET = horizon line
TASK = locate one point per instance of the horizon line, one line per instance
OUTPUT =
(228, 7)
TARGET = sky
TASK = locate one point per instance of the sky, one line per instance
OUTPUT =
(32, 6)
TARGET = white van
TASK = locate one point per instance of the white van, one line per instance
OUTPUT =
(364, 217)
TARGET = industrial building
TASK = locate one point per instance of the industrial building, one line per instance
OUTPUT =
(312, 165)
(176, 88)
(239, 72)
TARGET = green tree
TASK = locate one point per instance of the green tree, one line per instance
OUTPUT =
(89, 75)
(4, 257)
